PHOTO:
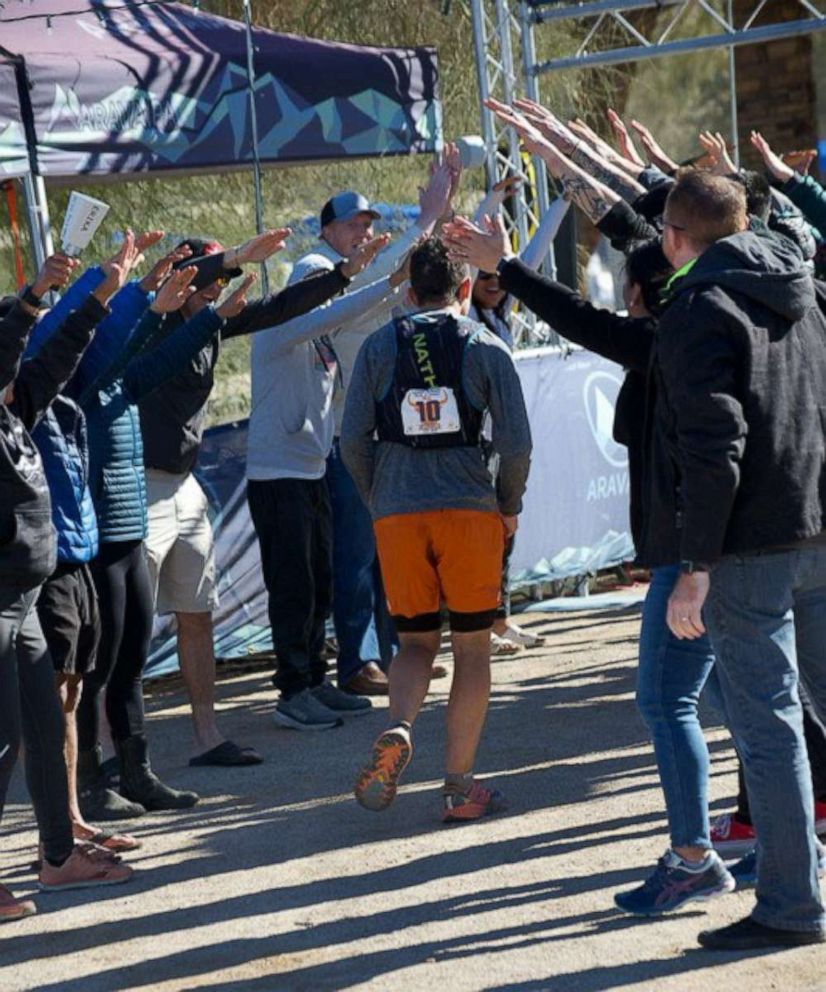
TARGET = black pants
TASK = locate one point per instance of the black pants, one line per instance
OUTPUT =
(815, 735)
(29, 702)
(125, 604)
(293, 521)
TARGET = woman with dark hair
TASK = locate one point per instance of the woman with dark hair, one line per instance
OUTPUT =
(491, 306)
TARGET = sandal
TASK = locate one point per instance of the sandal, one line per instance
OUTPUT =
(227, 755)
(501, 647)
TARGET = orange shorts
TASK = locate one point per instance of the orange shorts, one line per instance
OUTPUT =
(450, 556)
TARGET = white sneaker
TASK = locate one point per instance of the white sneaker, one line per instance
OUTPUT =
(501, 647)
(524, 637)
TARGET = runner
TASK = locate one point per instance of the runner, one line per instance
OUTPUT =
(424, 384)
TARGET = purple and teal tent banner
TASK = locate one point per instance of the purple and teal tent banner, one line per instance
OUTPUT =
(163, 88)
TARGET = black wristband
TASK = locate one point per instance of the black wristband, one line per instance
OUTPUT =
(29, 297)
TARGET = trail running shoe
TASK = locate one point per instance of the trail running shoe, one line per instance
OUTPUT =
(730, 837)
(377, 784)
(461, 807)
(674, 883)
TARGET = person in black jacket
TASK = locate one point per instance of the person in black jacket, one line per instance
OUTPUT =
(668, 708)
(28, 698)
(179, 544)
(741, 421)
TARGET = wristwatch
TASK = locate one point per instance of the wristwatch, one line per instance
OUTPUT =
(688, 567)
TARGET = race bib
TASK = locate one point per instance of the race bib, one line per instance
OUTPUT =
(430, 411)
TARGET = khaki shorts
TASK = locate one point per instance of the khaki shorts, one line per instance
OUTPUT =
(180, 548)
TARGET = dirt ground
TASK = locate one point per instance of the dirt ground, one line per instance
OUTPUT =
(279, 881)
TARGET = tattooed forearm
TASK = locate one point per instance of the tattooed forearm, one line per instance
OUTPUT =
(595, 200)
(626, 187)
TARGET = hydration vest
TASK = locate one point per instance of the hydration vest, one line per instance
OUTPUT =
(426, 405)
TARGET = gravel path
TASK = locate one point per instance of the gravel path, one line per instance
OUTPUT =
(279, 881)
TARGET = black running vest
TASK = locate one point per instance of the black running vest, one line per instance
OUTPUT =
(425, 405)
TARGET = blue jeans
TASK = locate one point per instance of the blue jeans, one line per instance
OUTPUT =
(364, 629)
(767, 615)
(671, 677)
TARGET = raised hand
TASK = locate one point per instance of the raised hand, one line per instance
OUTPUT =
(364, 255)
(175, 291)
(655, 153)
(483, 249)
(549, 125)
(118, 267)
(773, 162)
(507, 186)
(147, 239)
(54, 273)
(715, 146)
(800, 161)
(434, 199)
(623, 138)
(237, 300)
(532, 137)
(161, 269)
(257, 249)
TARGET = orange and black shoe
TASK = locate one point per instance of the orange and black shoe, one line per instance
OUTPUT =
(376, 785)
(462, 807)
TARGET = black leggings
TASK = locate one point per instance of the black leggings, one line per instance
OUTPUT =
(29, 702)
(125, 600)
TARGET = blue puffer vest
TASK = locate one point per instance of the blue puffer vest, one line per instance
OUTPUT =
(61, 439)
(116, 474)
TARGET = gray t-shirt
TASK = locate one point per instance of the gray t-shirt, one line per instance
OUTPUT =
(396, 478)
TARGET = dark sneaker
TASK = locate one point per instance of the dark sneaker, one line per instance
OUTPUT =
(674, 883)
(744, 871)
(340, 702)
(749, 935)
(304, 712)
(377, 784)
(462, 807)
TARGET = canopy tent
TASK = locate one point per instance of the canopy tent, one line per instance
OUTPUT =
(102, 89)
(162, 88)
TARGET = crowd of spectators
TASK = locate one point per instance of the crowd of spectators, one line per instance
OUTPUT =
(388, 453)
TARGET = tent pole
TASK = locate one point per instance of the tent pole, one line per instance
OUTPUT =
(256, 160)
(34, 189)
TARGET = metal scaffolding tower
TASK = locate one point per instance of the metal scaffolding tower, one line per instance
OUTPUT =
(507, 67)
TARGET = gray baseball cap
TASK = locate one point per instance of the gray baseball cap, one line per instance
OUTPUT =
(343, 206)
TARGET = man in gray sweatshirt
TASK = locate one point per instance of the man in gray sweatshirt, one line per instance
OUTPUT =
(422, 386)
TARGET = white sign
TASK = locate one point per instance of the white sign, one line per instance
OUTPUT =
(83, 217)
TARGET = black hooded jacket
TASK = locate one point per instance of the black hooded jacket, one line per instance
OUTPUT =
(737, 419)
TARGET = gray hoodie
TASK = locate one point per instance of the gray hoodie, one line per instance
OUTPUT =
(394, 478)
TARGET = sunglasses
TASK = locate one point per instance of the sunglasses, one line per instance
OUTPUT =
(485, 276)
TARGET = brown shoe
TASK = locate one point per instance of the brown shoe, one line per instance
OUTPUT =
(88, 865)
(369, 680)
(14, 909)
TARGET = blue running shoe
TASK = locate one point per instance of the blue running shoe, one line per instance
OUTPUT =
(744, 871)
(674, 882)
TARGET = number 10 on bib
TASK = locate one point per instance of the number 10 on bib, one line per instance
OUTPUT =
(430, 411)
